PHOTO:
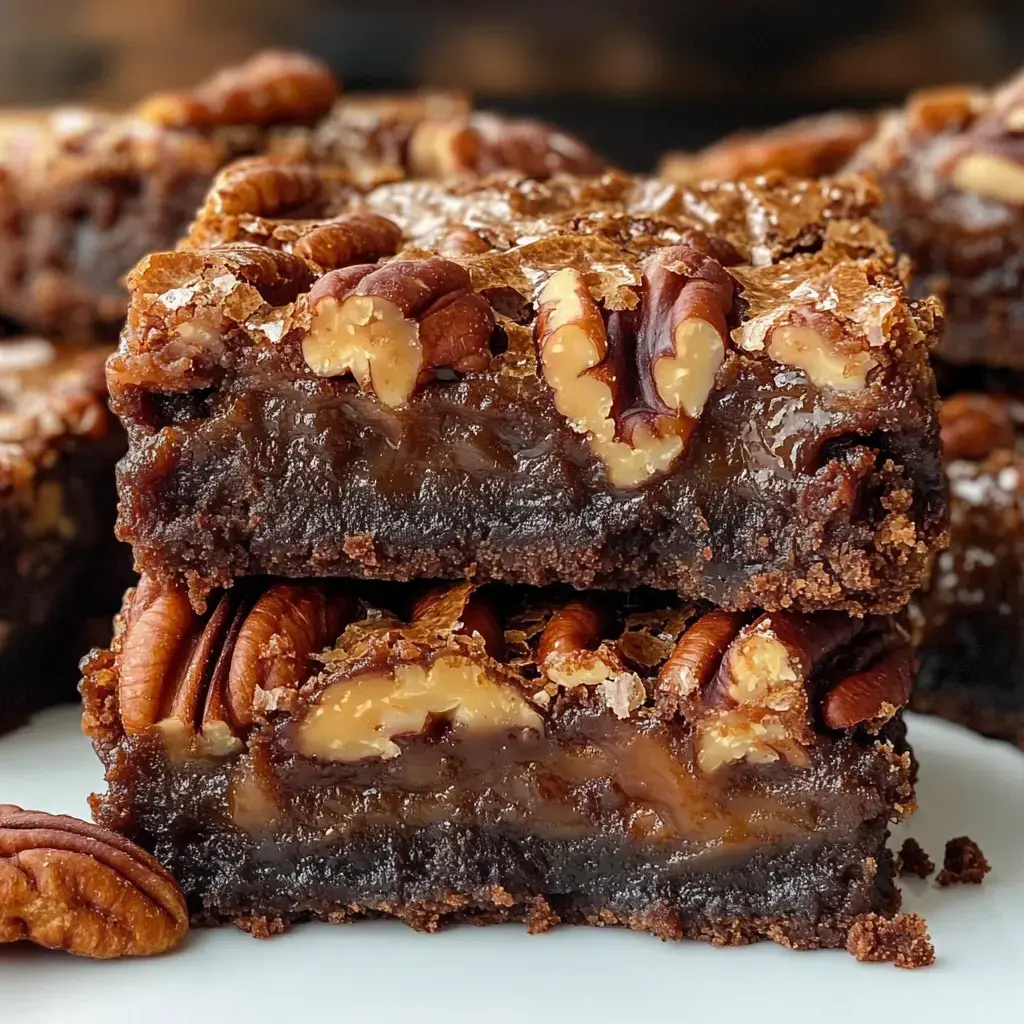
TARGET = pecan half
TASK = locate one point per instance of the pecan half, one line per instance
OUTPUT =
(258, 187)
(271, 87)
(195, 681)
(637, 386)
(759, 701)
(873, 696)
(360, 237)
(807, 148)
(814, 341)
(161, 627)
(695, 660)
(388, 325)
(67, 884)
(571, 653)
(288, 624)
(480, 143)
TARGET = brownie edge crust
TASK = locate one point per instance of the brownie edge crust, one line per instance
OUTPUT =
(506, 754)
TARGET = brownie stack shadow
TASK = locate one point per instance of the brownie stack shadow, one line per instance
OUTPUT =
(526, 544)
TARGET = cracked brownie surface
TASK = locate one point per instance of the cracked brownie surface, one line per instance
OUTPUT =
(604, 381)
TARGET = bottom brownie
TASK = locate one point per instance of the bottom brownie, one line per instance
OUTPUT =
(327, 750)
(972, 652)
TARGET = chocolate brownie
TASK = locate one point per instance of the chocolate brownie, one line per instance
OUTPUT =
(85, 194)
(58, 446)
(951, 164)
(952, 167)
(972, 652)
(331, 749)
(599, 381)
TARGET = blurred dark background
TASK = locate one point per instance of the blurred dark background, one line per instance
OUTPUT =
(633, 78)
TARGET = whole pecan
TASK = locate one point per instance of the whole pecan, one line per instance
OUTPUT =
(271, 87)
(389, 325)
(67, 884)
(636, 386)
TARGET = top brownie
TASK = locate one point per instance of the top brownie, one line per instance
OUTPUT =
(603, 381)
(85, 194)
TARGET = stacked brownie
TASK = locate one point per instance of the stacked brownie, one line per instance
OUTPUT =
(951, 164)
(520, 549)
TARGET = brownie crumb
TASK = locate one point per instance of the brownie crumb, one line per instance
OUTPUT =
(912, 860)
(262, 927)
(963, 864)
(902, 940)
(541, 917)
(360, 548)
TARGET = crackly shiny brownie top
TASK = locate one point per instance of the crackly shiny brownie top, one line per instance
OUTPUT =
(48, 395)
(632, 299)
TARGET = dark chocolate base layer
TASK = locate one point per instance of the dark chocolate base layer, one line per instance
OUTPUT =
(804, 895)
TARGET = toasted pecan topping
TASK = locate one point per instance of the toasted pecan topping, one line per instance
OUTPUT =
(387, 325)
(196, 680)
(677, 341)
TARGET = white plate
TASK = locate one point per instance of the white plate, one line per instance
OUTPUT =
(380, 971)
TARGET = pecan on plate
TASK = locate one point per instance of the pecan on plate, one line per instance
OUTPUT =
(68, 884)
